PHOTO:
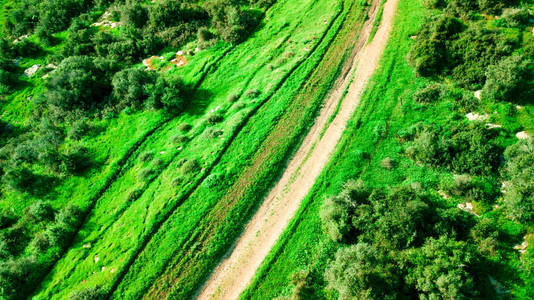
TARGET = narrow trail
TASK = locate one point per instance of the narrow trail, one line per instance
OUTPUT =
(234, 272)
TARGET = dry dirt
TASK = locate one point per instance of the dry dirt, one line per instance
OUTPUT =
(236, 270)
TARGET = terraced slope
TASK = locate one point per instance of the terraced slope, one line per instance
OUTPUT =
(135, 218)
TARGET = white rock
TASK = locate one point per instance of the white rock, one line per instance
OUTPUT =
(491, 126)
(476, 117)
(88, 245)
(31, 70)
(477, 94)
(522, 135)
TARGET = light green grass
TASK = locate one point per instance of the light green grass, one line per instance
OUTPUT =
(386, 102)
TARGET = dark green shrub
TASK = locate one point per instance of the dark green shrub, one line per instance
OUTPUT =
(168, 93)
(146, 156)
(94, 293)
(507, 78)
(441, 268)
(130, 87)
(79, 129)
(179, 139)
(430, 94)
(190, 166)
(40, 211)
(184, 127)
(133, 13)
(145, 173)
(214, 118)
(362, 271)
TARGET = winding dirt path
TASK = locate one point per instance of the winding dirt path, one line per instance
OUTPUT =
(234, 272)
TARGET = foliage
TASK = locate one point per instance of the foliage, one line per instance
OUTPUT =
(507, 79)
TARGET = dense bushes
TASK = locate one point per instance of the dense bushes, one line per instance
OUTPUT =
(19, 274)
(519, 189)
(461, 148)
(402, 243)
(507, 79)
(232, 23)
(78, 85)
(449, 47)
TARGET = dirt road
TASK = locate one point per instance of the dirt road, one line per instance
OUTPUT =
(234, 272)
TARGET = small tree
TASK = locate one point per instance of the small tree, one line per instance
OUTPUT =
(507, 78)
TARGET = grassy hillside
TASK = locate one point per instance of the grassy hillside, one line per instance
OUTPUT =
(296, 266)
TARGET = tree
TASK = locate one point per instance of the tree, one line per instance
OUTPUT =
(337, 212)
(130, 87)
(441, 269)
(168, 93)
(133, 13)
(507, 78)
(79, 84)
(362, 271)
(40, 211)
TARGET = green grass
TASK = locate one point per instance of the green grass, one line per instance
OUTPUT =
(386, 102)
(118, 225)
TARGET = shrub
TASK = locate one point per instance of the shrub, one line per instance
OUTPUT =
(519, 171)
(430, 94)
(130, 87)
(254, 93)
(41, 242)
(184, 127)
(203, 34)
(214, 118)
(362, 271)
(441, 269)
(507, 78)
(40, 211)
(190, 166)
(145, 173)
(17, 276)
(135, 194)
(211, 133)
(387, 163)
(94, 293)
(168, 93)
(233, 98)
(336, 212)
(179, 139)
(133, 13)
(514, 17)
(146, 156)
(79, 129)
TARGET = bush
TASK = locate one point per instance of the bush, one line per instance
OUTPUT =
(40, 211)
(79, 84)
(146, 156)
(362, 271)
(514, 17)
(94, 293)
(145, 173)
(168, 93)
(387, 163)
(130, 87)
(519, 171)
(254, 93)
(506, 79)
(190, 166)
(336, 212)
(214, 118)
(184, 127)
(17, 276)
(441, 269)
(430, 94)
(79, 129)
(134, 14)
(179, 139)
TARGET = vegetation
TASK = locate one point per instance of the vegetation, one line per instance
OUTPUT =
(384, 220)
(138, 137)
